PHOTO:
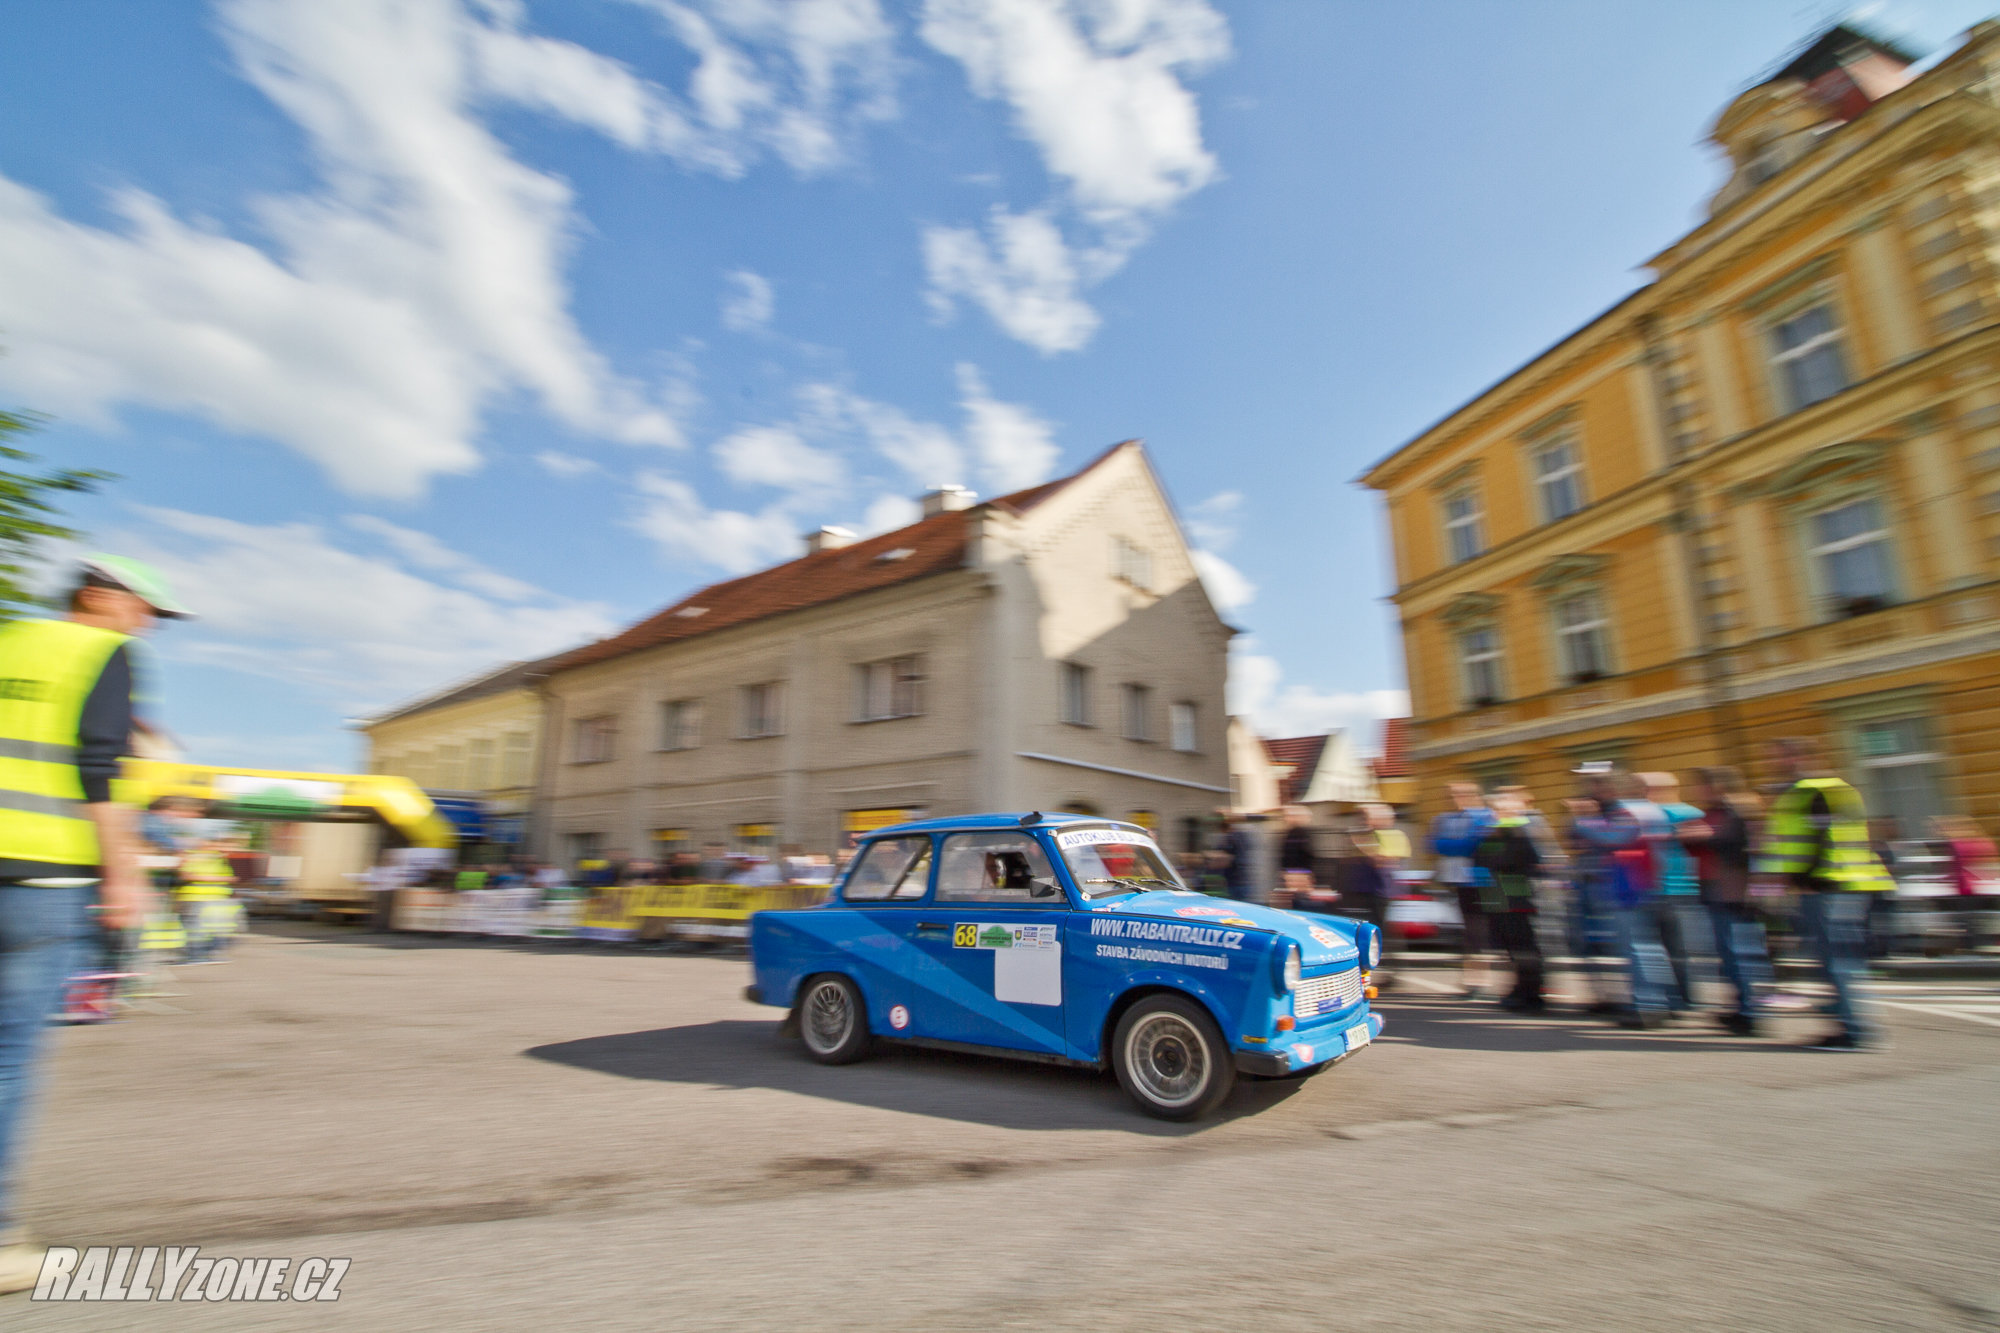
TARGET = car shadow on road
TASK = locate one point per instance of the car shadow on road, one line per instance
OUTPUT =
(1473, 1026)
(986, 1090)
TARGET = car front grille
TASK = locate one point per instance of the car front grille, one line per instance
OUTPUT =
(1323, 995)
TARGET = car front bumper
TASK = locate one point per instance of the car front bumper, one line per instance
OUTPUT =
(1278, 1061)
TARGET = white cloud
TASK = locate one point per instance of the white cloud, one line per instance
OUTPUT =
(1227, 586)
(1257, 691)
(1095, 86)
(1015, 448)
(427, 553)
(889, 512)
(559, 464)
(776, 456)
(748, 304)
(927, 452)
(1212, 523)
(1025, 278)
(356, 625)
(674, 517)
(379, 315)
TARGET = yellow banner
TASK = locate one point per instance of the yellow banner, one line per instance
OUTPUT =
(624, 907)
(867, 821)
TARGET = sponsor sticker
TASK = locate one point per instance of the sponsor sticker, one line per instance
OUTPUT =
(899, 1017)
(1236, 921)
(1094, 837)
(1325, 937)
(1302, 1052)
(973, 935)
(996, 937)
(1204, 911)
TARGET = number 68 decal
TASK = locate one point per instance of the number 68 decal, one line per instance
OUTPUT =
(965, 935)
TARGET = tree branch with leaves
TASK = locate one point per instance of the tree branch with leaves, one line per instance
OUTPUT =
(28, 516)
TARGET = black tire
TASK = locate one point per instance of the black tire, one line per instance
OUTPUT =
(1171, 1059)
(832, 1019)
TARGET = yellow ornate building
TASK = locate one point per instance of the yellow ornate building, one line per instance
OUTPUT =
(1761, 495)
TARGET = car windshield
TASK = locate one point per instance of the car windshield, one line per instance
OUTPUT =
(1109, 861)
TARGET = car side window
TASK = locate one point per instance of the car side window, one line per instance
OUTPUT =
(996, 868)
(890, 869)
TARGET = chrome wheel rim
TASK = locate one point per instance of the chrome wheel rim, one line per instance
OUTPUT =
(829, 1017)
(1168, 1059)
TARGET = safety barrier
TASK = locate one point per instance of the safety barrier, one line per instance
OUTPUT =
(700, 911)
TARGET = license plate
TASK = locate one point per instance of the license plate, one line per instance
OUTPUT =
(1358, 1036)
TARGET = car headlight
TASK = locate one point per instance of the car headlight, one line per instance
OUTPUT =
(1288, 967)
(1368, 941)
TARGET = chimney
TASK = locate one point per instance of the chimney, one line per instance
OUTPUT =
(946, 498)
(828, 539)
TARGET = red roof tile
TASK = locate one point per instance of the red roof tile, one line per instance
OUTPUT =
(1301, 754)
(931, 546)
(1394, 761)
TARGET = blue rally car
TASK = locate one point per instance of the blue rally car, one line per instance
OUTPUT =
(1068, 939)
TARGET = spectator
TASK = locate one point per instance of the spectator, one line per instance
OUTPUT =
(1676, 895)
(1600, 828)
(1239, 844)
(1454, 836)
(1975, 870)
(1720, 843)
(715, 866)
(1387, 849)
(1506, 852)
(1817, 838)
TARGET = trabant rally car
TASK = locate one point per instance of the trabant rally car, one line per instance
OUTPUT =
(1067, 939)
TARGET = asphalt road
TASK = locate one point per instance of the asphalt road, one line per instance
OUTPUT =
(558, 1136)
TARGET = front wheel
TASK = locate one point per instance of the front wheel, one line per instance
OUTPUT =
(1170, 1058)
(833, 1020)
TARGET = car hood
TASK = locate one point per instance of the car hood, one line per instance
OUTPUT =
(1321, 939)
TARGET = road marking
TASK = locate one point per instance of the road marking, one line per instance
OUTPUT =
(1425, 983)
(1949, 1011)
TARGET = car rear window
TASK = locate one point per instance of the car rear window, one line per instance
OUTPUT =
(889, 869)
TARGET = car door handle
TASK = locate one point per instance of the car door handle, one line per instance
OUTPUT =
(933, 930)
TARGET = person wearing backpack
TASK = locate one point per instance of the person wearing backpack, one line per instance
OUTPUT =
(1720, 843)
(1506, 851)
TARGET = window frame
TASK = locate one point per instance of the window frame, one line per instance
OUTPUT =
(1571, 473)
(928, 858)
(602, 731)
(1566, 634)
(1832, 605)
(1074, 690)
(1779, 360)
(1473, 521)
(1190, 712)
(769, 719)
(1496, 656)
(1135, 711)
(904, 689)
(680, 725)
(1132, 563)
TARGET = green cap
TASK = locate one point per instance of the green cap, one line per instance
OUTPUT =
(140, 578)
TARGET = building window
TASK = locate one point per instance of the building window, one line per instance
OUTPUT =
(479, 768)
(1131, 563)
(1901, 774)
(1181, 728)
(1805, 352)
(1559, 479)
(1138, 710)
(584, 848)
(1850, 554)
(894, 688)
(1075, 694)
(592, 739)
(1462, 526)
(518, 761)
(1580, 638)
(451, 767)
(1479, 661)
(680, 724)
(763, 710)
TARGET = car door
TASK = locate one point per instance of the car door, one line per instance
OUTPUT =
(888, 881)
(990, 942)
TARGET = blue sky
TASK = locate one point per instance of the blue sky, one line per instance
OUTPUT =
(429, 334)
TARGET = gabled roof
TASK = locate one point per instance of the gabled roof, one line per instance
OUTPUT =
(1301, 755)
(1394, 761)
(933, 545)
(513, 676)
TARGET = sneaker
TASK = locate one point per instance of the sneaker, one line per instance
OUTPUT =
(20, 1265)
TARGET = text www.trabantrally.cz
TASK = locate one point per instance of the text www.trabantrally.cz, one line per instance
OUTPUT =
(183, 1273)
(1172, 932)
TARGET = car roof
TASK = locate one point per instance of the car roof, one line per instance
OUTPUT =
(1010, 822)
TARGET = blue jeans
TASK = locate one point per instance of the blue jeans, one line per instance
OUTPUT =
(1742, 953)
(43, 937)
(1830, 924)
(1654, 988)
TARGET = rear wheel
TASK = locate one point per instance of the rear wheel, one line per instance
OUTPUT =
(833, 1019)
(1170, 1058)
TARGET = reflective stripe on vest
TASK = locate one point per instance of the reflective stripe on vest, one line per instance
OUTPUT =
(1847, 862)
(47, 670)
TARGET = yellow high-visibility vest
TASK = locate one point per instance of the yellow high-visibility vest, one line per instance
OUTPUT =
(205, 875)
(47, 670)
(1848, 862)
